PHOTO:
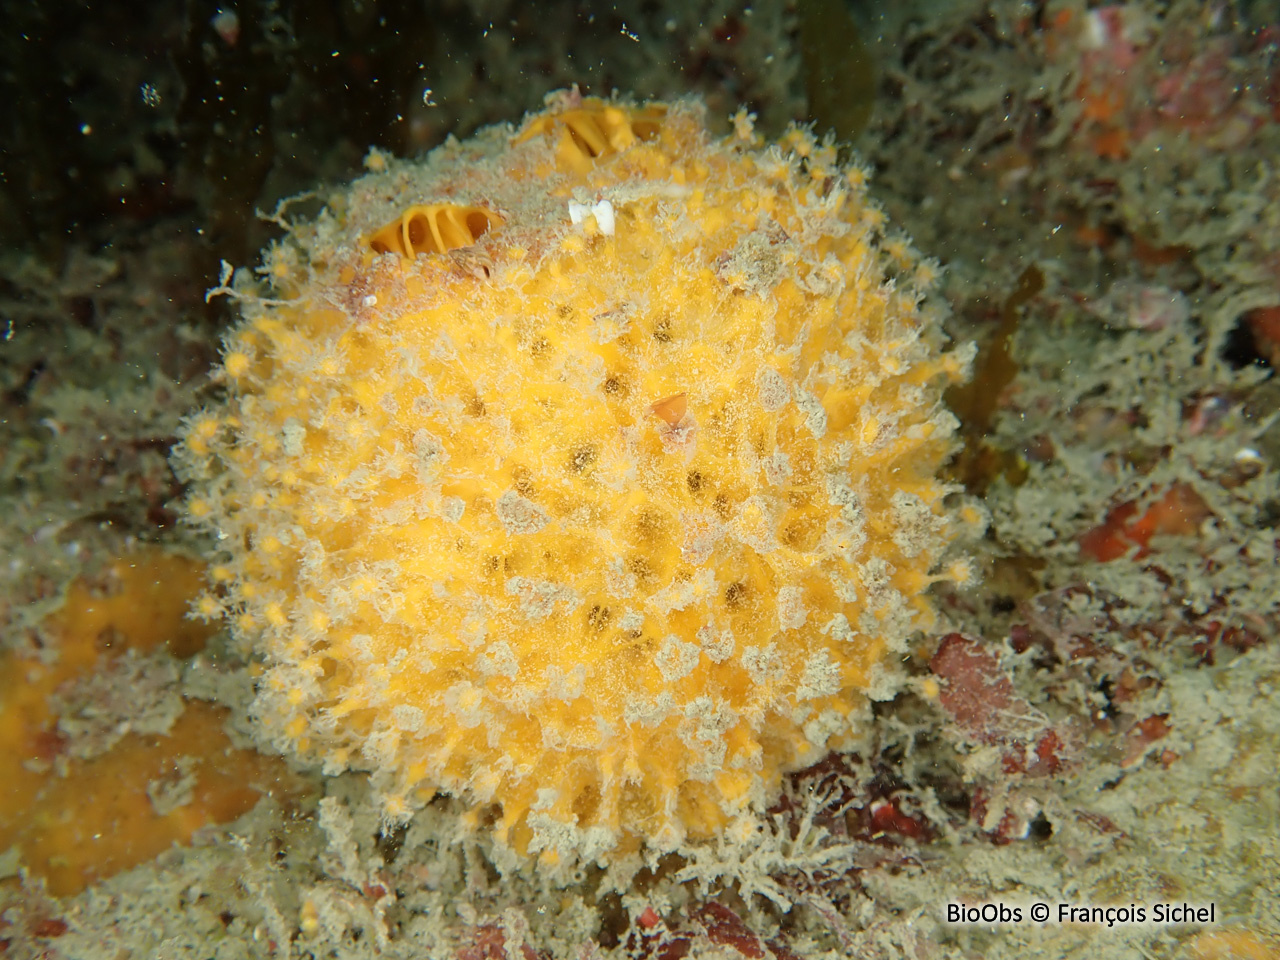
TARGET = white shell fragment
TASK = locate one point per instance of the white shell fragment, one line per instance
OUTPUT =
(602, 211)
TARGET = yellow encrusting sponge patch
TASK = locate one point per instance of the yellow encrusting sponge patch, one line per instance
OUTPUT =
(599, 487)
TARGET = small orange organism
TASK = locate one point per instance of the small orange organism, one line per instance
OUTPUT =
(670, 410)
(1178, 512)
(433, 228)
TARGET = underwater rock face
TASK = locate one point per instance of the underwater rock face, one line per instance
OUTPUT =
(586, 469)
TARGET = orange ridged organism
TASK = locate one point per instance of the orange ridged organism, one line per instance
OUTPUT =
(433, 228)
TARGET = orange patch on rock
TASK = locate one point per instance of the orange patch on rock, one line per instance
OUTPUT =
(1264, 322)
(1112, 144)
(1178, 513)
(75, 820)
(1235, 944)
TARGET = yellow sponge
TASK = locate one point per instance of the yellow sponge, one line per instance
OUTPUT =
(609, 519)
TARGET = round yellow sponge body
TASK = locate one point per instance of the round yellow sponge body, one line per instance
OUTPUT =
(585, 471)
